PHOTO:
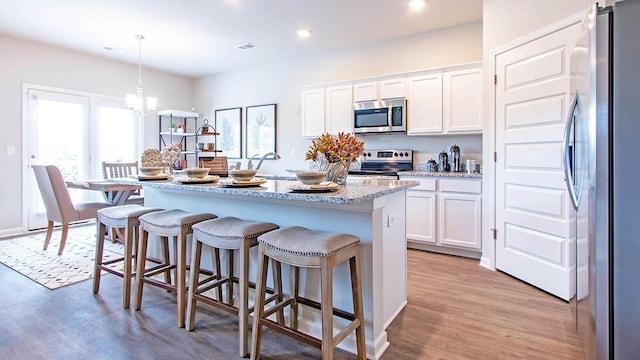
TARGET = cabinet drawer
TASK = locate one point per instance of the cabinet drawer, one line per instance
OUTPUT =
(461, 186)
(426, 184)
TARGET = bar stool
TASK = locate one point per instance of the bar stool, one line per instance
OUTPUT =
(124, 216)
(174, 223)
(301, 247)
(231, 234)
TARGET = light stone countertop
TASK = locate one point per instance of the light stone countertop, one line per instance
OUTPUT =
(356, 190)
(440, 174)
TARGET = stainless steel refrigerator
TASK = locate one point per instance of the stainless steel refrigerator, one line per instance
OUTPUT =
(602, 170)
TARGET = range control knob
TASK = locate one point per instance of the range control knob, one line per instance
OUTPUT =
(395, 154)
(401, 154)
(368, 154)
(406, 154)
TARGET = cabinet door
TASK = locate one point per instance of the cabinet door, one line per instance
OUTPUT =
(312, 112)
(339, 109)
(366, 91)
(462, 94)
(424, 105)
(421, 216)
(393, 88)
(460, 219)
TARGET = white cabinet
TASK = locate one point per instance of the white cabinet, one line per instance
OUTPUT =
(445, 215)
(327, 110)
(421, 212)
(365, 91)
(424, 115)
(462, 97)
(338, 109)
(393, 88)
(312, 112)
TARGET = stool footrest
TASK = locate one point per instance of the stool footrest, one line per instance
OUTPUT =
(353, 325)
(276, 307)
(157, 270)
(314, 304)
(293, 333)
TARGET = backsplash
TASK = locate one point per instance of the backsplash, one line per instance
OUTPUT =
(428, 147)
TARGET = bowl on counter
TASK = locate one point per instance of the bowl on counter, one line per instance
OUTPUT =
(242, 175)
(196, 173)
(150, 170)
(311, 177)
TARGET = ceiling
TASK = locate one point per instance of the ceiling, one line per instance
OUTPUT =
(199, 37)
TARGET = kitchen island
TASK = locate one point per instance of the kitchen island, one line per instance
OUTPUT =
(372, 209)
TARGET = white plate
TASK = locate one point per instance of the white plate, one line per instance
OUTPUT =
(162, 176)
(322, 187)
(204, 180)
(234, 183)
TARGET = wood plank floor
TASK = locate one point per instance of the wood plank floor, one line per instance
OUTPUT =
(456, 310)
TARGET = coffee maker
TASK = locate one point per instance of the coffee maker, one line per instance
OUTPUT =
(455, 158)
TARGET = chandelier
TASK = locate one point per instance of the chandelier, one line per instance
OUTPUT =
(137, 102)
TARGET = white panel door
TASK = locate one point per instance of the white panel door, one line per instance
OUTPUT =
(425, 105)
(339, 109)
(533, 211)
(312, 103)
(462, 96)
(421, 216)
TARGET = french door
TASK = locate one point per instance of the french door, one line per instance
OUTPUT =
(75, 132)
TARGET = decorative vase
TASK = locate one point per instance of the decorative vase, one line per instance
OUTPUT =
(336, 171)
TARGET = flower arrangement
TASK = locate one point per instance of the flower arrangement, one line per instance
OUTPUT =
(334, 154)
(171, 153)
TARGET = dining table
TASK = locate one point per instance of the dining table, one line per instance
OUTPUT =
(114, 194)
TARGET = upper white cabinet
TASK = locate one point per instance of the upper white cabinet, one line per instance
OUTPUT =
(327, 110)
(338, 109)
(424, 115)
(393, 88)
(365, 91)
(462, 96)
(312, 112)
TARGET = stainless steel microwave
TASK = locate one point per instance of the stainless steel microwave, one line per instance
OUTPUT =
(386, 116)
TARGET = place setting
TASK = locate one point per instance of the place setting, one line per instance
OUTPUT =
(313, 182)
(196, 176)
(242, 178)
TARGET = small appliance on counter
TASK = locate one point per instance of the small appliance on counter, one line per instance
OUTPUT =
(432, 165)
(384, 163)
(455, 158)
(443, 161)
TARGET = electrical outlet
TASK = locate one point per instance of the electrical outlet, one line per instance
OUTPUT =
(391, 220)
(11, 150)
(293, 152)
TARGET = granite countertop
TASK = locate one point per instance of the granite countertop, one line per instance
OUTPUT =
(356, 190)
(441, 174)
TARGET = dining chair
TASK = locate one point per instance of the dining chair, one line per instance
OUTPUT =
(58, 203)
(121, 170)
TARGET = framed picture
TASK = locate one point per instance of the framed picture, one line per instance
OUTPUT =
(261, 129)
(229, 126)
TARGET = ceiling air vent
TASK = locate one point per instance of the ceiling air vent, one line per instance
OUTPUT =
(246, 46)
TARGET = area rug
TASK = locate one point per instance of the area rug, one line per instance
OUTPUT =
(25, 255)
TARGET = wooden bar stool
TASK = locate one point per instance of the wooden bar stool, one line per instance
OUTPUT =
(301, 247)
(124, 216)
(173, 223)
(231, 234)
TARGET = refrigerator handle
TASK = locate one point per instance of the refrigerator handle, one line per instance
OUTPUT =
(568, 176)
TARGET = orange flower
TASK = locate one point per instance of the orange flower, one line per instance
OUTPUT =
(335, 148)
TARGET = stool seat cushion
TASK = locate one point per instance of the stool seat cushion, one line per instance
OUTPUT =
(231, 228)
(124, 212)
(302, 241)
(174, 218)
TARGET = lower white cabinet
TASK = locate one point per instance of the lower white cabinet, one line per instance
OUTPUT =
(445, 214)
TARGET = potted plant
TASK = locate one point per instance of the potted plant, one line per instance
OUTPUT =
(334, 154)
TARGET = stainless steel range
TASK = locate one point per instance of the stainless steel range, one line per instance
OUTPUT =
(384, 163)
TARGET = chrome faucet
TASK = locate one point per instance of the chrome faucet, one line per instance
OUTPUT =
(250, 164)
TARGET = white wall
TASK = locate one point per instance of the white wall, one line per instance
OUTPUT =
(280, 83)
(505, 21)
(35, 63)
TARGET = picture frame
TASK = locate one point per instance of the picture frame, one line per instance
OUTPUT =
(228, 123)
(260, 129)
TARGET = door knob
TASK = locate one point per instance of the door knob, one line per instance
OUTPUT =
(33, 156)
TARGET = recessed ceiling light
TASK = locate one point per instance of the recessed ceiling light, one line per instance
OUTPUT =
(246, 46)
(416, 5)
(303, 33)
(107, 48)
